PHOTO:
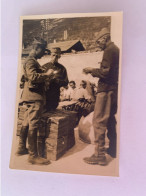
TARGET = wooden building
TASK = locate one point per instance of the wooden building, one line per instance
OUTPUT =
(68, 46)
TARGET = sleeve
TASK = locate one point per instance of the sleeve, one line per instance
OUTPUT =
(64, 80)
(104, 70)
(32, 72)
(46, 67)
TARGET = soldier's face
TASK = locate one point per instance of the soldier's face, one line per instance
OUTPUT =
(102, 42)
(55, 57)
(40, 52)
(72, 85)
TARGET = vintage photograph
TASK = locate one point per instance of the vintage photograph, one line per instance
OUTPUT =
(68, 94)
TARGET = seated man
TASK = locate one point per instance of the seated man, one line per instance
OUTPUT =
(64, 93)
(72, 89)
(81, 92)
(84, 100)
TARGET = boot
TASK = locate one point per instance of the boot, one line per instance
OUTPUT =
(32, 147)
(95, 160)
(22, 150)
(38, 160)
(98, 157)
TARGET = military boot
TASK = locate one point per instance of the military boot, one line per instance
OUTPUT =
(95, 160)
(32, 147)
(98, 157)
(22, 150)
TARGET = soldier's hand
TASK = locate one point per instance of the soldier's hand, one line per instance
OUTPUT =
(50, 72)
(56, 75)
(87, 70)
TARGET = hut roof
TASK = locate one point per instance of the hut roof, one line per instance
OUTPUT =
(65, 45)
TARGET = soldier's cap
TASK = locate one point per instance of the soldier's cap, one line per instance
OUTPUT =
(56, 50)
(103, 32)
(40, 42)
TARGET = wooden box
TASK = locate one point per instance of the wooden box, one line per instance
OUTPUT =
(70, 139)
(60, 133)
(55, 132)
(55, 148)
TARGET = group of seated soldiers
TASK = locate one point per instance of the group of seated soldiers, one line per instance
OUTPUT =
(80, 99)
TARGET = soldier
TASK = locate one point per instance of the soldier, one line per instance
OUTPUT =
(33, 98)
(106, 99)
(60, 79)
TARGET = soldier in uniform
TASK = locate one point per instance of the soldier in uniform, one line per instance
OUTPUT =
(33, 98)
(60, 79)
(106, 99)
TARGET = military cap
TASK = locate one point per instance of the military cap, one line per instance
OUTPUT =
(56, 50)
(103, 32)
(39, 42)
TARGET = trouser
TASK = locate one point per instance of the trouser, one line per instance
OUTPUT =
(32, 114)
(32, 117)
(104, 119)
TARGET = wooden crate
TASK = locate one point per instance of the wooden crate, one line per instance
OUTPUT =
(60, 133)
(55, 132)
(55, 148)
(70, 139)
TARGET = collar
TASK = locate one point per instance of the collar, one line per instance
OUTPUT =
(108, 44)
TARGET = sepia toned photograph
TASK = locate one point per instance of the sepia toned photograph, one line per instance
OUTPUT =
(67, 116)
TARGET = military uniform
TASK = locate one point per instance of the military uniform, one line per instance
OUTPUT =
(106, 104)
(106, 100)
(33, 95)
(33, 98)
(53, 89)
